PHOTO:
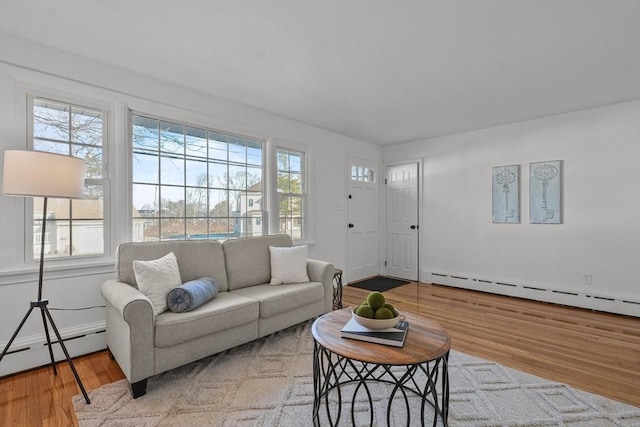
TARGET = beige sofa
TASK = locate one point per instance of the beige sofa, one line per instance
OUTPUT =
(246, 307)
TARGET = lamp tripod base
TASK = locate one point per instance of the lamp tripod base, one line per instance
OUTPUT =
(44, 311)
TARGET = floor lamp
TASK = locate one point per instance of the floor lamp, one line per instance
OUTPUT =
(40, 174)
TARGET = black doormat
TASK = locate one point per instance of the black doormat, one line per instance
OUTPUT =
(379, 283)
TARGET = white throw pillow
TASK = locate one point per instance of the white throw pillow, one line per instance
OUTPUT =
(288, 265)
(156, 278)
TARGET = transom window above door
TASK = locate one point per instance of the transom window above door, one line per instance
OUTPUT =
(363, 173)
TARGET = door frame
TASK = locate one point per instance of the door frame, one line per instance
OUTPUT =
(347, 178)
(383, 208)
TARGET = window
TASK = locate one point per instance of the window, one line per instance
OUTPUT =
(194, 183)
(363, 174)
(291, 192)
(74, 227)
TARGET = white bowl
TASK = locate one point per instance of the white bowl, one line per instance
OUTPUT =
(377, 324)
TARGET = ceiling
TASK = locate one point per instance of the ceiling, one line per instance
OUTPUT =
(380, 71)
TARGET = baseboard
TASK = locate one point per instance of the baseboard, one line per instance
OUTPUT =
(599, 301)
(31, 351)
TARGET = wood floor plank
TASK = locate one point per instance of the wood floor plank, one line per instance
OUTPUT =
(592, 351)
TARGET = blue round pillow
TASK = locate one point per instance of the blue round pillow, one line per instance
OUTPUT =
(192, 294)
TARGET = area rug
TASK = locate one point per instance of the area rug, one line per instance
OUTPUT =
(269, 382)
(379, 283)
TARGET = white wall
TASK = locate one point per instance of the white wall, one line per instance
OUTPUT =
(27, 65)
(600, 233)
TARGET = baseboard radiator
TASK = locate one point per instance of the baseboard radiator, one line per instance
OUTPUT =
(589, 300)
(28, 352)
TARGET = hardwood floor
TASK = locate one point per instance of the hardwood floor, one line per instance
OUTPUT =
(592, 351)
(38, 398)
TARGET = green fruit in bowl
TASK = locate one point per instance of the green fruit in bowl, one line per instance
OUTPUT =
(384, 313)
(365, 311)
(376, 300)
(390, 307)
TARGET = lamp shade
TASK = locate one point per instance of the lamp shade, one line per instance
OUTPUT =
(40, 174)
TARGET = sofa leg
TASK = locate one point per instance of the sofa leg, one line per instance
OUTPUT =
(139, 388)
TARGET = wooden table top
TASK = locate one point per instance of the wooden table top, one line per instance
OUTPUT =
(426, 340)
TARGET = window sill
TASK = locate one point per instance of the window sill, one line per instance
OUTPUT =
(30, 274)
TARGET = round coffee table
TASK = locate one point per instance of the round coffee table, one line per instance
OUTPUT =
(417, 367)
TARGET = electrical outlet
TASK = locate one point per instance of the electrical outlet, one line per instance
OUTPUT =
(586, 278)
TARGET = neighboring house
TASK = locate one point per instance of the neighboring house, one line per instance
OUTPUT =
(87, 228)
(251, 209)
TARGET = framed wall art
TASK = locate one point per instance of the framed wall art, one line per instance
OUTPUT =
(545, 192)
(505, 194)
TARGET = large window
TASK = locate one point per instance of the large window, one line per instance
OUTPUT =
(194, 183)
(291, 192)
(74, 227)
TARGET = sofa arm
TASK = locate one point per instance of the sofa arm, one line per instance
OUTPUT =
(130, 329)
(321, 271)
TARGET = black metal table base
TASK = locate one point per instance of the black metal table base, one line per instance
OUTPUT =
(332, 373)
(337, 289)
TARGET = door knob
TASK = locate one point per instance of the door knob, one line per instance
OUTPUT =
(350, 225)
(413, 227)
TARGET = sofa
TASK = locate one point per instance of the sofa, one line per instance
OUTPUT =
(245, 308)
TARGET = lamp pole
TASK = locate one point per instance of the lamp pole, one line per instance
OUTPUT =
(40, 302)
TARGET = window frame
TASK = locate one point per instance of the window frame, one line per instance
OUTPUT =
(274, 218)
(30, 96)
(181, 120)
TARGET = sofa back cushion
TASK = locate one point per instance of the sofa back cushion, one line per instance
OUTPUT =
(248, 260)
(196, 259)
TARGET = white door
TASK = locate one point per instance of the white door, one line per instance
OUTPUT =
(402, 221)
(363, 219)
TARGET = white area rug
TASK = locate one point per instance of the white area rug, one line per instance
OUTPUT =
(269, 383)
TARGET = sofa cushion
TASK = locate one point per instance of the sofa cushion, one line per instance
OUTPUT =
(278, 299)
(225, 311)
(196, 258)
(248, 260)
(156, 278)
(288, 265)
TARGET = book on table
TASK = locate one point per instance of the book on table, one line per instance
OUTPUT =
(392, 336)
